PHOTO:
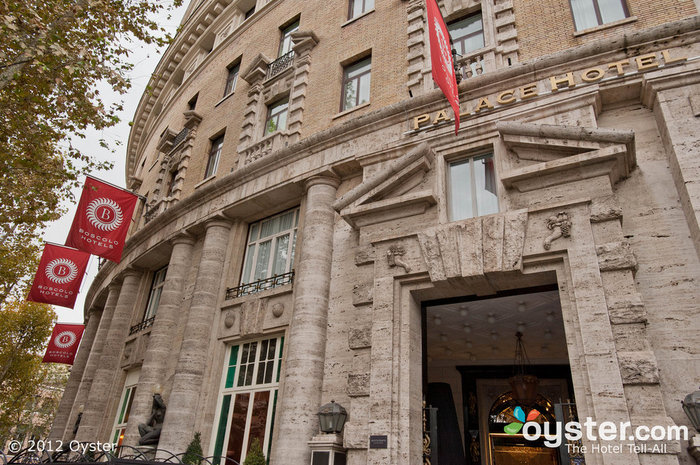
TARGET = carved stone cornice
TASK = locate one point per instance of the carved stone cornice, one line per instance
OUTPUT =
(257, 71)
(303, 41)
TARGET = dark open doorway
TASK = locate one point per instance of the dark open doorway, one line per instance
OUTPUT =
(469, 346)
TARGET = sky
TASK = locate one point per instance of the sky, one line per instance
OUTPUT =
(145, 58)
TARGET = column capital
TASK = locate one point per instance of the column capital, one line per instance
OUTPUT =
(115, 284)
(220, 221)
(131, 272)
(328, 178)
(183, 238)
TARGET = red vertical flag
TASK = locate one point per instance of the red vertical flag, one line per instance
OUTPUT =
(63, 344)
(57, 281)
(441, 58)
(102, 220)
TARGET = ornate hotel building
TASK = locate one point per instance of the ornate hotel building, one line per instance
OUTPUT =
(315, 231)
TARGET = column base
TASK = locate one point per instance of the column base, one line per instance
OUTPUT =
(327, 449)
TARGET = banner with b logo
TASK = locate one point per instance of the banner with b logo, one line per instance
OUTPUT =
(102, 220)
(58, 278)
(64, 343)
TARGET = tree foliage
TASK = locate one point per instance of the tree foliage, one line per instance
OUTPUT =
(25, 328)
(193, 454)
(255, 454)
(54, 54)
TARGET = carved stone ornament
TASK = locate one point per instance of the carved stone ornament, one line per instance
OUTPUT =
(229, 319)
(393, 256)
(278, 309)
(560, 225)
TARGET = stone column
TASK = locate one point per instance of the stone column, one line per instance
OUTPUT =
(153, 371)
(93, 359)
(96, 407)
(60, 421)
(305, 351)
(182, 405)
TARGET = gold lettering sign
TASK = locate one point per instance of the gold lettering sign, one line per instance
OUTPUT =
(557, 83)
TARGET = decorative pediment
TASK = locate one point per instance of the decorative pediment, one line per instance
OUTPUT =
(303, 41)
(165, 143)
(257, 71)
(400, 190)
(542, 155)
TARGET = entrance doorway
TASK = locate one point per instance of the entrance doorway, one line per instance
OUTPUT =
(470, 387)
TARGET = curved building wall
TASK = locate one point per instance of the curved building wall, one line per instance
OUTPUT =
(365, 255)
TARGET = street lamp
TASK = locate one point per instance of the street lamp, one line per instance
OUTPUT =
(691, 406)
(331, 417)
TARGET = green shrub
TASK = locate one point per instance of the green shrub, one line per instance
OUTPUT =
(255, 454)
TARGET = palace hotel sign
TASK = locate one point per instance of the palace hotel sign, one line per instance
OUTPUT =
(569, 80)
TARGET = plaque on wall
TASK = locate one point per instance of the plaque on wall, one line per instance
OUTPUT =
(378, 442)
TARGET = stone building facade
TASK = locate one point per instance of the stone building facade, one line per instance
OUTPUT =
(314, 230)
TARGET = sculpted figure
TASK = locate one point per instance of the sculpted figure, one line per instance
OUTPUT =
(560, 225)
(150, 431)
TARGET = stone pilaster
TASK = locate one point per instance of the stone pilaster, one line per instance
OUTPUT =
(303, 370)
(182, 405)
(97, 405)
(93, 360)
(76, 375)
(153, 371)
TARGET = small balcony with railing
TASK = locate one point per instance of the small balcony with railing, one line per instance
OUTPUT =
(280, 65)
(260, 285)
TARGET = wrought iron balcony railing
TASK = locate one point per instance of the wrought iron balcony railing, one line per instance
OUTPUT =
(260, 285)
(182, 135)
(143, 325)
(282, 63)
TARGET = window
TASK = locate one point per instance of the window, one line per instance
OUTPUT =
(248, 398)
(231, 78)
(192, 104)
(214, 155)
(592, 13)
(249, 13)
(472, 188)
(356, 83)
(127, 398)
(358, 7)
(271, 245)
(467, 34)
(154, 295)
(286, 40)
(276, 116)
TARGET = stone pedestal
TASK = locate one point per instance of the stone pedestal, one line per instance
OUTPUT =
(178, 428)
(327, 449)
(694, 447)
(162, 334)
(303, 369)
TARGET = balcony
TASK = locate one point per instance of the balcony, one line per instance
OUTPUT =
(281, 64)
(143, 325)
(470, 65)
(260, 285)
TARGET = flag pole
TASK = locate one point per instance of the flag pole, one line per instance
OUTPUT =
(142, 197)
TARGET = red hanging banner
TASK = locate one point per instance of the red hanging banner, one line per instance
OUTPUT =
(57, 280)
(63, 344)
(441, 58)
(102, 220)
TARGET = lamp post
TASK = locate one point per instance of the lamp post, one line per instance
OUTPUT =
(327, 447)
(691, 407)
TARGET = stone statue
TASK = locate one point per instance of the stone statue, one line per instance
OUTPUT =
(150, 431)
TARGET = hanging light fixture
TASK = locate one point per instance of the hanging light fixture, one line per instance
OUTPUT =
(524, 386)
